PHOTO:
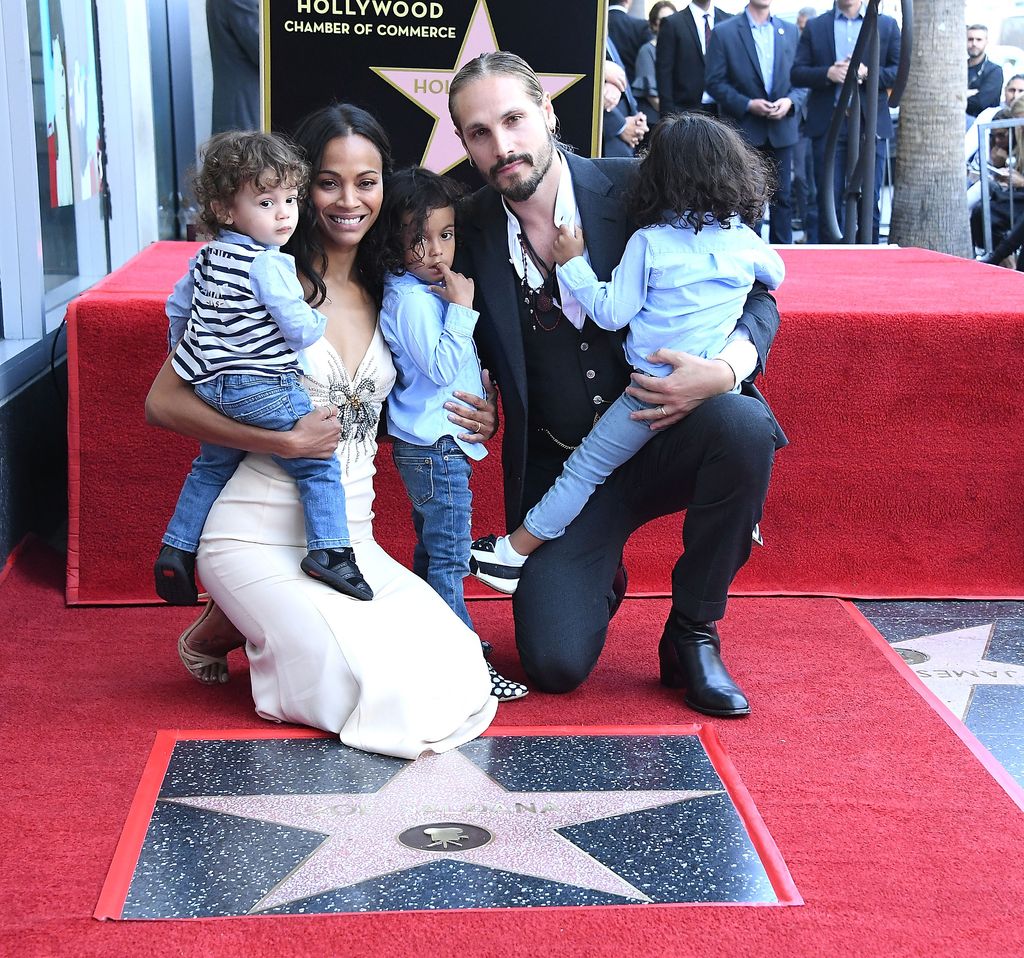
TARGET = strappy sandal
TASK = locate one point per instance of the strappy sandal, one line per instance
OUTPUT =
(197, 662)
(505, 690)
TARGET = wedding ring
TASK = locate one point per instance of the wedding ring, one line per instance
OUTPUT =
(661, 411)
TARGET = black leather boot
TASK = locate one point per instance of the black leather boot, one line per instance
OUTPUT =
(690, 657)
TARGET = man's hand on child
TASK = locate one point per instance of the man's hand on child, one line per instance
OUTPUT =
(478, 416)
(568, 244)
(456, 289)
(692, 380)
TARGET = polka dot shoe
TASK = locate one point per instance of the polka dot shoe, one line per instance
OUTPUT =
(505, 690)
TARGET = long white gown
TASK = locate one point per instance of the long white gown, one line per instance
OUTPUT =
(401, 674)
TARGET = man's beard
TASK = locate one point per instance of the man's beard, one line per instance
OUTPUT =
(522, 189)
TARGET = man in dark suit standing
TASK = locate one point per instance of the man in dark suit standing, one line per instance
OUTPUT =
(822, 58)
(628, 34)
(682, 47)
(749, 60)
(234, 30)
(557, 371)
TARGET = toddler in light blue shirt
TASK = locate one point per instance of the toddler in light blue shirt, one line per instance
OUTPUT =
(427, 318)
(681, 285)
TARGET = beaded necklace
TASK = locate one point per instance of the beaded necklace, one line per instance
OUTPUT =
(539, 301)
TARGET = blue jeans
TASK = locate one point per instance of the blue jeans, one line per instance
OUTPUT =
(436, 479)
(614, 440)
(271, 402)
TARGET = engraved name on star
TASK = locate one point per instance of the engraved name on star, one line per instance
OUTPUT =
(428, 89)
(361, 830)
(956, 665)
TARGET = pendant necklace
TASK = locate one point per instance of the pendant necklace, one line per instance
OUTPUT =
(540, 301)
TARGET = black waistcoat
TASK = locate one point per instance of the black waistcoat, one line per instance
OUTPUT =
(572, 375)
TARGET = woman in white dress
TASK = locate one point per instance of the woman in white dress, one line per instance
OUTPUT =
(401, 674)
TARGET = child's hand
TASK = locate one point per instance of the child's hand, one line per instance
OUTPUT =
(568, 244)
(457, 288)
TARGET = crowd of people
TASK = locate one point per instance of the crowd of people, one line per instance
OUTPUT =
(778, 82)
(1000, 150)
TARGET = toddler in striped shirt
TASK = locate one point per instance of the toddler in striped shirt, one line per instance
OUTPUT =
(247, 321)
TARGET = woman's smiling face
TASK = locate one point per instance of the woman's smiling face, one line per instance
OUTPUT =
(347, 190)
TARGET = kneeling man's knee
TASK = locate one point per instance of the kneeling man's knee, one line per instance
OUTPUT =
(556, 670)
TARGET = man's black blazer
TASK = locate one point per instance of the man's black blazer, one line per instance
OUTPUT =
(483, 255)
(679, 62)
(628, 33)
(816, 52)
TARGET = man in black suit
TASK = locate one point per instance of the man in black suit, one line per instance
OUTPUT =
(749, 60)
(627, 33)
(625, 124)
(682, 47)
(234, 31)
(557, 372)
(822, 58)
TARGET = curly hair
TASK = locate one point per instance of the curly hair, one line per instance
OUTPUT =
(312, 135)
(230, 160)
(698, 170)
(415, 193)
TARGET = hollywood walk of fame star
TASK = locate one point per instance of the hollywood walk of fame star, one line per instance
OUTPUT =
(362, 829)
(428, 89)
(956, 664)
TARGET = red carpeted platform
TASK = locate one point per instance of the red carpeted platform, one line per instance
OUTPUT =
(891, 375)
(898, 840)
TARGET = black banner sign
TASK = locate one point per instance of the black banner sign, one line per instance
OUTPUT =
(395, 58)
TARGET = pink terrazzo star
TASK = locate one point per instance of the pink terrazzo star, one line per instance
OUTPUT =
(428, 89)
(362, 829)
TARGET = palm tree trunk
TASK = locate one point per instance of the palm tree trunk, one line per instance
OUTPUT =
(930, 202)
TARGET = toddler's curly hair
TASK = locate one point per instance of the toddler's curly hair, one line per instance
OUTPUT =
(699, 170)
(413, 193)
(230, 160)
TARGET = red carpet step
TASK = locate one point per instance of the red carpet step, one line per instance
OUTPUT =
(890, 375)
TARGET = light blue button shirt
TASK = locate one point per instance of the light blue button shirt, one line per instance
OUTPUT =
(676, 289)
(431, 343)
(274, 284)
(846, 32)
(764, 44)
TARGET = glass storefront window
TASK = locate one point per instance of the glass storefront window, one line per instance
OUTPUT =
(69, 145)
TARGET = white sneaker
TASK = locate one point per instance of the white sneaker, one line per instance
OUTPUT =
(482, 564)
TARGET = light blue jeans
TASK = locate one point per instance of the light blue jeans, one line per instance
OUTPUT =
(436, 480)
(271, 402)
(614, 440)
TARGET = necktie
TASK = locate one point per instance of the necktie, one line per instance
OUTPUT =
(707, 31)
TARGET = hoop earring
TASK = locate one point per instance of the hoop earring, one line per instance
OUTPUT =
(469, 160)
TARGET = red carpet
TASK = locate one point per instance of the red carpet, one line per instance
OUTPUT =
(906, 440)
(898, 840)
